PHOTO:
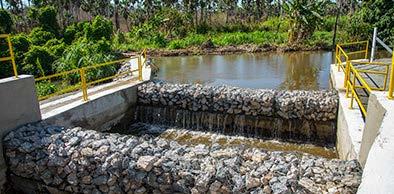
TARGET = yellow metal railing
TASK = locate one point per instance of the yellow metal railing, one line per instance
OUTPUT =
(391, 85)
(351, 61)
(11, 57)
(82, 74)
(352, 86)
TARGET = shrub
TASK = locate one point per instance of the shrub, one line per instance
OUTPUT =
(329, 23)
(276, 24)
(45, 88)
(45, 17)
(74, 31)
(257, 37)
(100, 28)
(38, 61)
(190, 40)
(6, 22)
(20, 42)
(175, 44)
(321, 39)
(358, 29)
(21, 45)
(56, 47)
(84, 53)
(203, 28)
(119, 39)
(39, 37)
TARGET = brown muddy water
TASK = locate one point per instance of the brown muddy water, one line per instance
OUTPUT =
(290, 70)
(304, 70)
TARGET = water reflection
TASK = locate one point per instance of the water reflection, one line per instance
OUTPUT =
(297, 70)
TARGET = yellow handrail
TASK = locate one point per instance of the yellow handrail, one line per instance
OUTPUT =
(391, 84)
(351, 73)
(11, 57)
(82, 73)
(353, 43)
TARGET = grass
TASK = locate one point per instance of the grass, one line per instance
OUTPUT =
(219, 39)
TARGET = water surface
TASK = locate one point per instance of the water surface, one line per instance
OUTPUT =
(290, 70)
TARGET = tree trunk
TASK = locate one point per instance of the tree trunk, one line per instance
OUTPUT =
(196, 16)
(21, 2)
(335, 28)
(258, 11)
(116, 14)
(227, 15)
(1, 3)
(202, 14)
(127, 24)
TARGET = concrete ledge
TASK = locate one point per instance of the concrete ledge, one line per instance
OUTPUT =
(376, 113)
(18, 102)
(378, 173)
(101, 112)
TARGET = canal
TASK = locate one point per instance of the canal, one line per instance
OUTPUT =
(306, 70)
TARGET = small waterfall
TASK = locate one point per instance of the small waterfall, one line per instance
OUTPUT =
(290, 130)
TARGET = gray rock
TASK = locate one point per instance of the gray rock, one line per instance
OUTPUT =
(252, 182)
(100, 180)
(72, 179)
(146, 162)
(280, 188)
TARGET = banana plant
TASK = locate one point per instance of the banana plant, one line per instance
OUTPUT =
(304, 16)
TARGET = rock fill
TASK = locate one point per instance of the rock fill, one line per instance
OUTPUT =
(311, 105)
(86, 161)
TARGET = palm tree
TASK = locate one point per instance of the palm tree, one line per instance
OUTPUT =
(304, 16)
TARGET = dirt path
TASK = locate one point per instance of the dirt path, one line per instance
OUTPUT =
(247, 48)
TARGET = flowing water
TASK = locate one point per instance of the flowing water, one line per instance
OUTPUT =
(292, 70)
(307, 70)
(192, 137)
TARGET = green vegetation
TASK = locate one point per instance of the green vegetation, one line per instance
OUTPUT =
(51, 37)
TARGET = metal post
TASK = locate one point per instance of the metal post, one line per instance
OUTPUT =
(347, 71)
(83, 84)
(336, 55)
(139, 68)
(375, 34)
(391, 85)
(12, 56)
(366, 50)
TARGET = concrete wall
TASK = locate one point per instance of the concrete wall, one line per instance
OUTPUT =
(345, 147)
(376, 113)
(350, 125)
(19, 106)
(99, 113)
(378, 172)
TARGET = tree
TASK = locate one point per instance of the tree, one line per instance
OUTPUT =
(45, 17)
(378, 13)
(6, 22)
(304, 17)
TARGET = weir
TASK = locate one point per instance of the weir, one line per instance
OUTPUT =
(208, 139)
(322, 133)
(44, 156)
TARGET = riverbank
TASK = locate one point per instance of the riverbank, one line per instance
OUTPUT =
(207, 49)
